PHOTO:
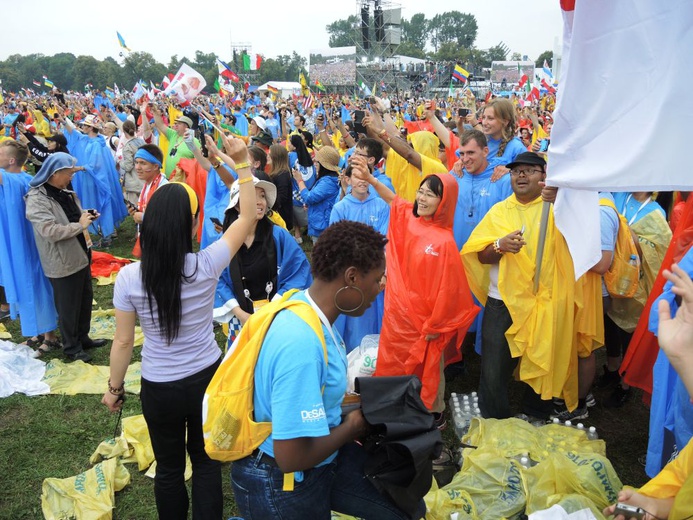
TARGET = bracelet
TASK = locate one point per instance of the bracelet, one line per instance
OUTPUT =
(116, 391)
(240, 166)
(382, 132)
(496, 247)
(244, 180)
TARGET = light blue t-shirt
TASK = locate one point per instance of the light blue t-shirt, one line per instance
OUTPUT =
(608, 229)
(633, 209)
(289, 375)
(512, 150)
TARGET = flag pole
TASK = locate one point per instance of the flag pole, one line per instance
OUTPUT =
(543, 227)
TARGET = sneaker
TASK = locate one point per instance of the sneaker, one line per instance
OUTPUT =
(299, 240)
(609, 378)
(590, 401)
(439, 420)
(618, 397)
(80, 356)
(565, 415)
(534, 421)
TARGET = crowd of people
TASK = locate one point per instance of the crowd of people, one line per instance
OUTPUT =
(424, 220)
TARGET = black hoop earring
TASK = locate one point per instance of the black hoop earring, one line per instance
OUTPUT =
(346, 287)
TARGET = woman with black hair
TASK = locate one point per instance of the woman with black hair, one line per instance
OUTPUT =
(171, 291)
(268, 264)
(428, 303)
(301, 395)
(320, 198)
(300, 159)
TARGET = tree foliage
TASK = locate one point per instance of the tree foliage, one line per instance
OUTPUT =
(342, 32)
(69, 72)
(546, 55)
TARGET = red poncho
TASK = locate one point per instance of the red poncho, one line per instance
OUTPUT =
(427, 293)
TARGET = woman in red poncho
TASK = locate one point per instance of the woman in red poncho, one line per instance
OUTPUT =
(428, 304)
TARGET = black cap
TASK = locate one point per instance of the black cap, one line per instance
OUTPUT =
(59, 139)
(527, 158)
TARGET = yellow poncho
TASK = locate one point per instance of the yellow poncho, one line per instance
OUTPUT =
(405, 177)
(545, 325)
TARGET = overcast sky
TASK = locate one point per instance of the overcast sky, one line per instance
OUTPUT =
(272, 27)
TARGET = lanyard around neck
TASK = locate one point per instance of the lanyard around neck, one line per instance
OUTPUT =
(323, 318)
(625, 205)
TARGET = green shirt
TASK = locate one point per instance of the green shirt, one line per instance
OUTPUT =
(176, 151)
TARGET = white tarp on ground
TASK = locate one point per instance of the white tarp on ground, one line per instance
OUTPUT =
(20, 371)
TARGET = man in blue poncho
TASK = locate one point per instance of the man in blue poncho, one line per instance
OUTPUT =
(98, 185)
(27, 289)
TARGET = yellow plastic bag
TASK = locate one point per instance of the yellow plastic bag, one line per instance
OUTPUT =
(507, 437)
(3, 332)
(111, 448)
(87, 496)
(440, 503)
(494, 483)
(103, 326)
(589, 475)
(79, 377)
(136, 434)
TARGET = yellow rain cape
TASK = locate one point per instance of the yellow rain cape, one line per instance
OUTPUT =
(654, 236)
(542, 333)
(405, 177)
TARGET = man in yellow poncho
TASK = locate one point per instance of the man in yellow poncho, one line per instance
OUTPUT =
(533, 334)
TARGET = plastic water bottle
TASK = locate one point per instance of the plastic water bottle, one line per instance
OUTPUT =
(624, 282)
(592, 433)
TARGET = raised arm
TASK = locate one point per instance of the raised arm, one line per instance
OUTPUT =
(238, 231)
(377, 129)
(439, 128)
(158, 120)
(223, 173)
(361, 171)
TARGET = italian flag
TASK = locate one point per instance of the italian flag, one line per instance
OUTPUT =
(252, 61)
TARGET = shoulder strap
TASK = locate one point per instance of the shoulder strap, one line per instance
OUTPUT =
(609, 203)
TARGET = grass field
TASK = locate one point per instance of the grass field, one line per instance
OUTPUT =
(53, 436)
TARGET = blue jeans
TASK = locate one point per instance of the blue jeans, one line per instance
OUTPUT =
(339, 486)
(497, 366)
(170, 410)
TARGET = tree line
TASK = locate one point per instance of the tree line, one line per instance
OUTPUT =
(70, 72)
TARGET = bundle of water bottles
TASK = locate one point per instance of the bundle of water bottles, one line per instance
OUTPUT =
(465, 407)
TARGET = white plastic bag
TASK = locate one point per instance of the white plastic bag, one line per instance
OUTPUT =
(362, 360)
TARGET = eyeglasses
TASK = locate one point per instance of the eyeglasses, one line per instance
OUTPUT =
(427, 194)
(525, 171)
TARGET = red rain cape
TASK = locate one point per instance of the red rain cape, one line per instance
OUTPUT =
(427, 293)
(643, 348)
(103, 264)
(196, 178)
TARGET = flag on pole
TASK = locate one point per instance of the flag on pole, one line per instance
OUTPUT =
(272, 89)
(47, 82)
(547, 70)
(548, 87)
(364, 88)
(225, 71)
(121, 41)
(605, 46)
(36, 83)
(308, 100)
(319, 86)
(460, 74)
(116, 90)
(166, 81)
(251, 61)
